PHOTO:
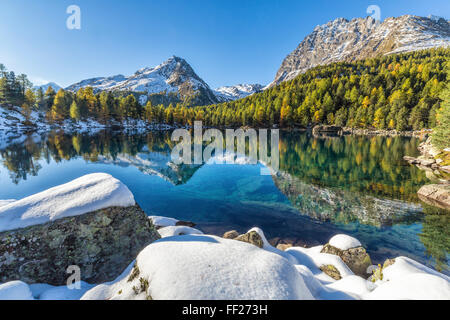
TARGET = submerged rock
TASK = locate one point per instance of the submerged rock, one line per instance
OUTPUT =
(101, 243)
(436, 195)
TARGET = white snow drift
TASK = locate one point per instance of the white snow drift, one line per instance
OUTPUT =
(86, 194)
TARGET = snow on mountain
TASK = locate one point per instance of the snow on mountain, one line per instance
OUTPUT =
(228, 93)
(172, 76)
(360, 38)
(44, 87)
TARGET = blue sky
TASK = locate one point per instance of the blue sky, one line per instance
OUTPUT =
(226, 41)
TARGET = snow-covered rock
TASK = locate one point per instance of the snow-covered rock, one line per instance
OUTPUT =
(206, 267)
(92, 222)
(344, 242)
(15, 290)
(171, 231)
(48, 292)
(86, 194)
(408, 279)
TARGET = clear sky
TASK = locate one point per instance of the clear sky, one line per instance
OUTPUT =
(226, 41)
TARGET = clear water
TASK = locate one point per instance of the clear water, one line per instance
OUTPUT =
(354, 185)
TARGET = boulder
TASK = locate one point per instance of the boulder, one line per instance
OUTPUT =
(331, 271)
(427, 162)
(327, 130)
(101, 243)
(357, 259)
(411, 160)
(251, 237)
(284, 246)
(233, 234)
(436, 195)
(445, 169)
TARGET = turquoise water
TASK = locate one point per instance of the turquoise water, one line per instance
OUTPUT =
(354, 185)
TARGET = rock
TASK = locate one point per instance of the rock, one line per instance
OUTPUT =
(185, 223)
(411, 160)
(251, 237)
(357, 259)
(101, 243)
(344, 242)
(233, 234)
(331, 271)
(436, 195)
(427, 162)
(284, 246)
(326, 130)
(388, 262)
(445, 169)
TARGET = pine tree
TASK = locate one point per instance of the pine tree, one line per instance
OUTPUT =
(75, 111)
(441, 133)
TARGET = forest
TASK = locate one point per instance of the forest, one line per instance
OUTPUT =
(401, 91)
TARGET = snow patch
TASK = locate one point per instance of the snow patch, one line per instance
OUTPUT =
(86, 194)
(344, 242)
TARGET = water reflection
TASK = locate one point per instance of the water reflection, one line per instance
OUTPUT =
(358, 184)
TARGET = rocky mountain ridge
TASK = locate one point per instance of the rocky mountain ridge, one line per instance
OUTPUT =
(360, 38)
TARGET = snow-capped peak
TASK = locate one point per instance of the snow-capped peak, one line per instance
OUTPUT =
(228, 93)
(173, 75)
(44, 87)
(360, 38)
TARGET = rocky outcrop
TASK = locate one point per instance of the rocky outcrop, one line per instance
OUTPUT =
(361, 38)
(251, 237)
(431, 159)
(101, 243)
(357, 259)
(331, 271)
(436, 195)
(386, 133)
(233, 234)
(321, 130)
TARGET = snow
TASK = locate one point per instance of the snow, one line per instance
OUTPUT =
(44, 87)
(415, 286)
(48, 292)
(177, 231)
(158, 79)
(15, 290)
(229, 93)
(205, 267)
(5, 202)
(163, 221)
(344, 242)
(86, 194)
(202, 267)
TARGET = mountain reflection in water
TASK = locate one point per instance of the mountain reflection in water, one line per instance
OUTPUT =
(356, 185)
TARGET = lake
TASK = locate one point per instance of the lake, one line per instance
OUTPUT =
(356, 185)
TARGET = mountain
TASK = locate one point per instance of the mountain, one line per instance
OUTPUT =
(174, 76)
(360, 38)
(229, 93)
(44, 87)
